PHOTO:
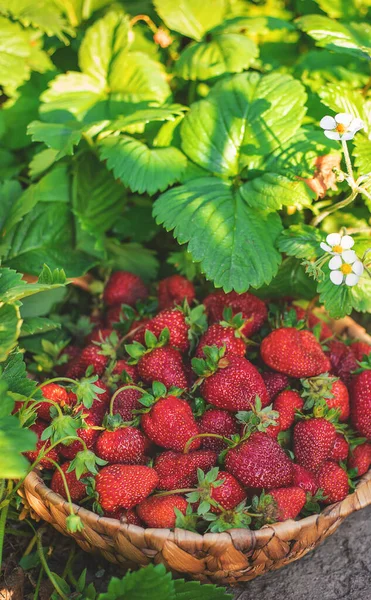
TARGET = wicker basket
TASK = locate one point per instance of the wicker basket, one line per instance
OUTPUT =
(231, 557)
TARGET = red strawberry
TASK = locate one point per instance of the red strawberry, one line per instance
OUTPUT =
(294, 352)
(114, 315)
(235, 385)
(177, 470)
(55, 392)
(260, 462)
(137, 330)
(220, 336)
(253, 309)
(125, 402)
(45, 462)
(305, 479)
(287, 503)
(164, 365)
(326, 391)
(123, 366)
(93, 418)
(124, 288)
(92, 356)
(275, 383)
(340, 399)
(229, 494)
(220, 422)
(170, 423)
(333, 480)
(99, 335)
(174, 290)
(286, 404)
(360, 350)
(314, 440)
(132, 518)
(76, 487)
(325, 331)
(340, 450)
(123, 446)
(72, 353)
(174, 320)
(343, 360)
(158, 511)
(360, 458)
(124, 486)
(360, 405)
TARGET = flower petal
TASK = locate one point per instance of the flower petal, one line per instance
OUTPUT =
(357, 124)
(335, 262)
(327, 122)
(344, 119)
(358, 267)
(336, 277)
(349, 256)
(325, 247)
(347, 242)
(333, 239)
(351, 279)
(348, 136)
(332, 135)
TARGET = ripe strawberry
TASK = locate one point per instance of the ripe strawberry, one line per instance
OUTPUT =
(174, 290)
(137, 330)
(99, 335)
(93, 418)
(360, 458)
(287, 504)
(360, 350)
(220, 422)
(177, 470)
(340, 450)
(305, 479)
(275, 383)
(45, 462)
(174, 320)
(360, 404)
(326, 392)
(124, 288)
(343, 360)
(234, 385)
(170, 423)
(260, 462)
(76, 487)
(286, 404)
(124, 486)
(314, 440)
(122, 367)
(72, 354)
(55, 392)
(92, 355)
(125, 402)
(218, 335)
(123, 446)
(164, 365)
(294, 352)
(114, 315)
(333, 480)
(132, 518)
(158, 511)
(325, 331)
(229, 494)
(252, 308)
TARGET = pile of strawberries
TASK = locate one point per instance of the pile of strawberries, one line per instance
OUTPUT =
(205, 416)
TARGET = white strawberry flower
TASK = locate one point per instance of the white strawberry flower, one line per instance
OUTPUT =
(346, 267)
(336, 244)
(341, 127)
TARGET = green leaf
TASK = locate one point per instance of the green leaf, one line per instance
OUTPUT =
(15, 54)
(41, 162)
(272, 191)
(51, 278)
(57, 136)
(140, 80)
(353, 38)
(362, 154)
(340, 98)
(337, 299)
(44, 15)
(361, 295)
(37, 325)
(194, 590)
(141, 168)
(10, 328)
(10, 191)
(132, 257)
(136, 121)
(234, 243)
(302, 241)
(150, 582)
(291, 280)
(191, 17)
(80, 10)
(245, 118)
(74, 92)
(317, 68)
(13, 441)
(225, 53)
(13, 372)
(338, 9)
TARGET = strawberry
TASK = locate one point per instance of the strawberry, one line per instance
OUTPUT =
(170, 424)
(76, 487)
(218, 335)
(124, 288)
(325, 392)
(92, 418)
(99, 335)
(92, 356)
(158, 511)
(360, 458)
(174, 290)
(137, 330)
(232, 383)
(333, 480)
(229, 494)
(132, 518)
(360, 350)
(114, 315)
(122, 366)
(305, 479)
(175, 321)
(54, 392)
(360, 405)
(325, 331)
(343, 360)
(275, 383)
(45, 462)
(125, 402)
(314, 440)
(177, 470)
(252, 308)
(220, 422)
(282, 504)
(294, 352)
(123, 446)
(260, 462)
(164, 365)
(340, 450)
(124, 486)
(69, 355)
(286, 404)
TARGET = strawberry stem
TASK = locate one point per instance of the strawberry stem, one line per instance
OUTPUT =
(203, 435)
(179, 491)
(121, 389)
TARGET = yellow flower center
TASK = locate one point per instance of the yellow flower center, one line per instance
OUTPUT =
(340, 128)
(338, 249)
(346, 269)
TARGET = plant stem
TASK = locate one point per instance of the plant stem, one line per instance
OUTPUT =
(38, 584)
(121, 389)
(46, 566)
(347, 159)
(317, 220)
(3, 516)
(202, 435)
(365, 193)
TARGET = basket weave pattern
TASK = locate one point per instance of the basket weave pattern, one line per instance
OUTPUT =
(231, 557)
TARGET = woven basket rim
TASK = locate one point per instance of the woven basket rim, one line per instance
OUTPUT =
(342, 509)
